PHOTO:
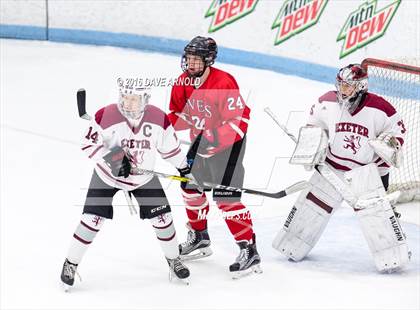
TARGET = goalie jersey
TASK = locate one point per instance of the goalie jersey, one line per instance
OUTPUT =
(349, 133)
(142, 142)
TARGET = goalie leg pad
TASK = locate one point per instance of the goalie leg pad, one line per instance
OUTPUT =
(307, 219)
(379, 224)
(384, 235)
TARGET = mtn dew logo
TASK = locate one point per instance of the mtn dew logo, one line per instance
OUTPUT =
(296, 16)
(225, 12)
(365, 25)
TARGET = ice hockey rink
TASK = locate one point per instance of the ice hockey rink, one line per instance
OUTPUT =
(44, 176)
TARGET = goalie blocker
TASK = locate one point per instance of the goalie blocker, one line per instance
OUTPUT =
(314, 207)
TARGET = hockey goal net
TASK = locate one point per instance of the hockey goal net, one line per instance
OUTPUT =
(400, 84)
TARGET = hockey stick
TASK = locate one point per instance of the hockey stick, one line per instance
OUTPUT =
(283, 193)
(81, 108)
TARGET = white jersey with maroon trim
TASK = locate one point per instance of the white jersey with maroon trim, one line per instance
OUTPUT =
(349, 133)
(153, 135)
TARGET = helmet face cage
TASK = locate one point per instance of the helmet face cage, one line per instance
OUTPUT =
(352, 76)
(132, 101)
(206, 48)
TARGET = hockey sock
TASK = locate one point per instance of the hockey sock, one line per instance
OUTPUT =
(197, 208)
(85, 232)
(238, 220)
(165, 232)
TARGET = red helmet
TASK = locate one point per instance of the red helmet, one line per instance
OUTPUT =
(351, 84)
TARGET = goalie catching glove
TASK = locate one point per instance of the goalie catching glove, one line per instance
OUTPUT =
(388, 148)
(118, 161)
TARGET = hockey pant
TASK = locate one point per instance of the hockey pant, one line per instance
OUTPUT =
(98, 207)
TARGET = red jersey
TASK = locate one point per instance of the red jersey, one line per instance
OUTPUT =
(216, 105)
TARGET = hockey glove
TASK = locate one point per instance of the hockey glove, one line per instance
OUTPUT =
(118, 161)
(208, 140)
(186, 172)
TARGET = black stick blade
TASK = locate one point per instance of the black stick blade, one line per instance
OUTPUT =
(81, 104)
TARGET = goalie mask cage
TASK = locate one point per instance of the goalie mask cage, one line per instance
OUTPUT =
(400, 85)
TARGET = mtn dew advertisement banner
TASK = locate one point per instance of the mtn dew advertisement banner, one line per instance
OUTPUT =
(225, 12)
(331, 33)
(367, 23)
(296, 16)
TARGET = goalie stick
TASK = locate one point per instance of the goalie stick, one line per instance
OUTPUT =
(81, 108)
(284, 128)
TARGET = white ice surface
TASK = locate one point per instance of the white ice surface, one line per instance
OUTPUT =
(44, 176)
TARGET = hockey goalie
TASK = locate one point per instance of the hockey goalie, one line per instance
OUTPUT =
(351, 139)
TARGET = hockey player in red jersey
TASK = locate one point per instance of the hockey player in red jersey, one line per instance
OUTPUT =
(217, 117)
(363, 136)
(121, 138)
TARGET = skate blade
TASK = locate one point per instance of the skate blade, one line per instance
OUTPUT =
(204, 252)
(173, 276)
(66, 287)
(255, 269)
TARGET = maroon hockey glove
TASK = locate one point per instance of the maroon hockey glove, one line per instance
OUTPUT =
(118, 161)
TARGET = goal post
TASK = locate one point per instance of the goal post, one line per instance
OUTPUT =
(399, 83)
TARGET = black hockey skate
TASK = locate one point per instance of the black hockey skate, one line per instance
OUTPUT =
(196, 240)
(248, 261)
(178, 269)
(67, 274)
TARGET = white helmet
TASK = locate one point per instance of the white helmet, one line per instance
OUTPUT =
(351, 84)
(133, 100)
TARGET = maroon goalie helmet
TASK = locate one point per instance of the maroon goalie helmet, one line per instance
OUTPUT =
(351, 84)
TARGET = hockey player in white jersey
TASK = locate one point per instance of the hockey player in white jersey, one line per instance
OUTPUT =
(120, 138)
(360, 135)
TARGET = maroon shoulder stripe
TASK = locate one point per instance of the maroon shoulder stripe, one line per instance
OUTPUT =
(377, 102)
(328, 96)
(108, 116)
